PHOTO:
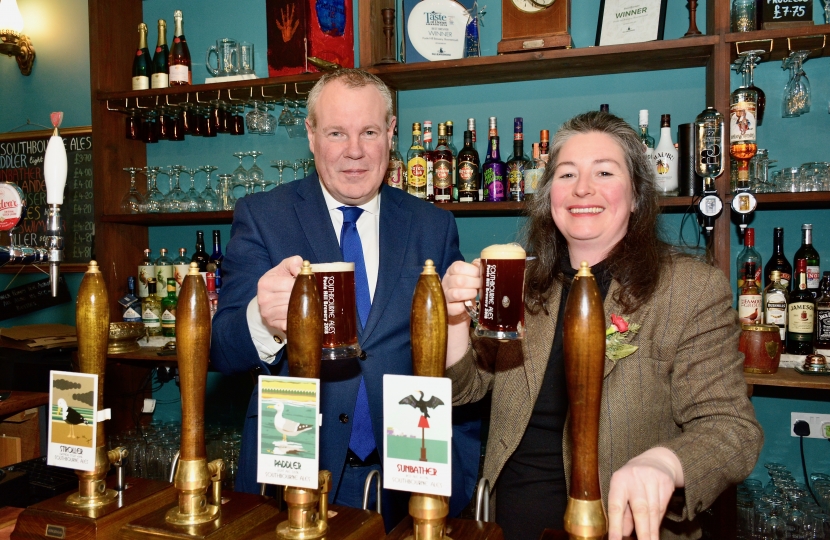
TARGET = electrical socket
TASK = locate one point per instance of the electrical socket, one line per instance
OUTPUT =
(819, 424)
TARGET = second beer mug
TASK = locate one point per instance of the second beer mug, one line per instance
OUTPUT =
(500, 313)
(335, 281)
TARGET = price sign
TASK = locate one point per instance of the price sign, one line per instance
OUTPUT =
(777, 13)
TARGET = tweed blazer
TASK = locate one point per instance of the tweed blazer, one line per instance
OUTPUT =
(683, 389)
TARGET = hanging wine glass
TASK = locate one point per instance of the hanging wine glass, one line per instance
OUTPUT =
(191, 201)
(210, 199)
(256, 176)
(788, 107)
(752, 58)
(154, 198)
(252, 117)
(173, 199)
(280, 164)
(286, 117)
(801, 85)
(268, 123)
(240, 174)
(296, 129)
(131, 202)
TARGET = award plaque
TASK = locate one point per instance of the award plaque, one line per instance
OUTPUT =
(530, 25)
(630, 21)
(435, 30)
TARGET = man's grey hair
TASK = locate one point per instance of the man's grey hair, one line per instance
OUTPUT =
(351, 78)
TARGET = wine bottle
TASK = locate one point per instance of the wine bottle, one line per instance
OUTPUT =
(142, 65)
(823, 315)
(749, 300)
(778, 261)
(131, 305)
(180, 72)
(442, 159)
(776, 298)
(430, 159)
(216, 258)
(146, 272)
(161, 59)
(416, 165)
(168, 310)
(164, 271)
(396, 171)
(517, 163)
(200, 256)
(748, 254)
(800, 314)
(151, 310)
(493, 172)
(181, 266)
(454, 151)
(809, 254)
(666, 160)
(469, 170)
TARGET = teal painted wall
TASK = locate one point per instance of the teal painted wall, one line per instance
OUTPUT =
(543, 104)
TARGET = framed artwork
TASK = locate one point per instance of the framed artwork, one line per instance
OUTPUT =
(630, 21)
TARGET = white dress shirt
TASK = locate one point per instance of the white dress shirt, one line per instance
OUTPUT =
(268, 340)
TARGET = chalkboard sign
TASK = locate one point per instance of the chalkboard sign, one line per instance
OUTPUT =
(777, 13)
(21, 162)
(31, 297)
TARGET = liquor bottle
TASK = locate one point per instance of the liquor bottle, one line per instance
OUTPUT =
(164, 271)
(544, 145)
(645, 138)
(142, 65)
(494, 173)
(151, 310)
(146, 272)
(809, 254)
(168, 310)
(776, 298)
(131, 305)
(454, 150)
(742, 133)
(800, 314)
(748, 254)
(493, 130)
(604, 108)
(201, 255)
(517, 163)
(750, 302)
(161, 59)
(396, 171)
(469, 170)
(430, 159)
(823, 315)
(666, 160)
(181, 266)
(180, 73)
(778, 261)
(533, 173)
(216, 258)
(471, 127)
(213, 297)
(442, 159)
(416, 165)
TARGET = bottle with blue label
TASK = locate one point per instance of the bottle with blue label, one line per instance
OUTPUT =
(130, 303)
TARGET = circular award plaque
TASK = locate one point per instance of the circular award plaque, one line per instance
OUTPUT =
(436, 29)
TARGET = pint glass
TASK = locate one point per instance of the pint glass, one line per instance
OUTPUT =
(335, 281)
(500, 313)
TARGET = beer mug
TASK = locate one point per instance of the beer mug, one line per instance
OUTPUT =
(335, 281)
(500, 311)
(227, 58)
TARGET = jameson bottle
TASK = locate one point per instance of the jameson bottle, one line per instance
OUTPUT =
(131, 306)
(442, 159)
(454, 150)
(430, 158)
(776, 298)
(800, 314)
(161, 59)
(168, 310)
(216, 258)
(809, 254)
(469, 171)
(164, 271)
(396, 171)
(151, 310)
(180, 73)
(494, 173)
(778, 261)
(645, 138)
(416, 165)
(146, 272)
(142, 65)
(823, 315)
(517, 163)
(181, 266)
(750, 302)
(201, 255)
(748, 254)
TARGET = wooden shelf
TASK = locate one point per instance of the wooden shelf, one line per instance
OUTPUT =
(812, 199)
(789, 377)
(183, 218)
(552, 64)
(146, 354)
(776, 41)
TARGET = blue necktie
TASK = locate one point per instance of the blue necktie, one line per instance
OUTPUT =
(362, 440)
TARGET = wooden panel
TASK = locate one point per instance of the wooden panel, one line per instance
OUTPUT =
(717, 93)
(23, 427)
(20, 401)
(11, 450)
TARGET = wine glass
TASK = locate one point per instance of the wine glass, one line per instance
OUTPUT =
(253, 117)
(286, 117)
(210, 200)
(240, 174)
(154, 198)
(256, 176)
(280, 164)
(173, 201)
(296, 166)
(296, 129)
(796, 100)
(226, 200)
(268, 124)
(131, 202)
(306, 165)
(191, 201)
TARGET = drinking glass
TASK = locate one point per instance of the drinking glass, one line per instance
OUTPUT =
(133, 124)
(191, 201)
(240, 174)
(256, 176)
(178, 128)
(814, 176)
(246, 58)
(173, 201)
(743, 15)
(296, 129)
(190, 118)
(335, 281)
(227, 56)
(796, 99)
(296, 166)
(164, 123)
(286, 116)
(790, 179)
(268, 123)
(131, 202)
(500, 313)
(154, 198)
(237, 120)
(253, 118)
(148, 127)
(280, 164)
(306, 165)
(210, 200)
(226, 198)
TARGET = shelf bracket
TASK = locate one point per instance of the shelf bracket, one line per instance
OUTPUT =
(284, 92)
(118, 109)
(754, 44)
(297, 90)
(803, 43)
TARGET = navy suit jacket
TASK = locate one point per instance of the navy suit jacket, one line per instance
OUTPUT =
(293, 220)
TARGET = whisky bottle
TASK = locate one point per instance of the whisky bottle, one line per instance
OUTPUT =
(396, 171)
(164, 271)
(161, 59)
(742, 133)
(645, 138)
(442, 159)
(517, 163)
(146, 272)
(809, 255)
(430, 159)
(469, 171)
(750, 301)
(494, 173)
(776, 298)
(142, 64)
(216, 258)
(180, 72)
(823, 315)
(168, 310)
(201, 257)
(748, 254)
(454, 150)
(533, 173)
(778, 261)
(151, 310)
(181, 266)
(544, 145)
(471, 127)
(131, 306)
(416, 165)
(666, 160)
(800, 314)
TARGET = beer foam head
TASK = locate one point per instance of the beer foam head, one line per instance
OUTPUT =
(503, 251)
(333, 267)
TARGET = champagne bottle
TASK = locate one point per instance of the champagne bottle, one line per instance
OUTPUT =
(749, 300)
(812, 260)
(469, 170)
(396, 171)
(416, 165)
(161, 60)
(493, 172)
(146, 272)
(168, 310)
(151, 310)
(131, 305)
(776, 298)
(666, 160)
(778, 261)
(180, 73)
(216, 258)
(823, 316)
(164, 271)
(442, 167)
(201, 257)
(142, 65)
(800, 314)
(748, 254)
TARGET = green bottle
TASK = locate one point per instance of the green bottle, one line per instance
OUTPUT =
(151, 310)
(168, 310)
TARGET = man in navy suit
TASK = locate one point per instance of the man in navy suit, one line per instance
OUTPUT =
(350, 126)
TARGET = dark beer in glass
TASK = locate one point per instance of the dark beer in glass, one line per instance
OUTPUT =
(500, 313)
(335, 281)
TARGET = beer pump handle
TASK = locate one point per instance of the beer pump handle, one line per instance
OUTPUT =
(54, 173)
(584, 351)
(428, 327)
(305, 326)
